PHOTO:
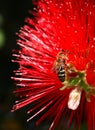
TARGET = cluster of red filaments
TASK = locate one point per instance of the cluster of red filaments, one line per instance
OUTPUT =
(58, 25)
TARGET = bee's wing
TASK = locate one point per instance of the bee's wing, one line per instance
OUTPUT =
(74, 99)
(56, 67)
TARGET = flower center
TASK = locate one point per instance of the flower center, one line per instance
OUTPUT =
(79, 81)
(72, 78)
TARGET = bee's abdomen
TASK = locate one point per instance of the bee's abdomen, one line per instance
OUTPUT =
(61, 74)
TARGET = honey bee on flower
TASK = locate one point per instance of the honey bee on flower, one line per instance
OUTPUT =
(57, 64)
(71, 78)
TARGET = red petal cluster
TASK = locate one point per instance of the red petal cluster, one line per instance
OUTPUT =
(58, 25)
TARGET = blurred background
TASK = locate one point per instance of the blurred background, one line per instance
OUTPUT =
(12, 15)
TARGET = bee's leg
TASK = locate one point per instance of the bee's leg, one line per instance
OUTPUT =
(92, 91)
(89, 93)
(64, 85)
(88, 97)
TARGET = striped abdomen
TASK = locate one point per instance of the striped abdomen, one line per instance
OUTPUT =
(61, 73)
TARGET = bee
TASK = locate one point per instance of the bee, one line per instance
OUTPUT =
(64, 71)
(60, 66)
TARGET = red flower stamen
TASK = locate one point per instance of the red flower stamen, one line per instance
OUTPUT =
(57, 63)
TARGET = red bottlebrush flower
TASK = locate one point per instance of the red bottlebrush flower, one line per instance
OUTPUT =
(57, 63)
